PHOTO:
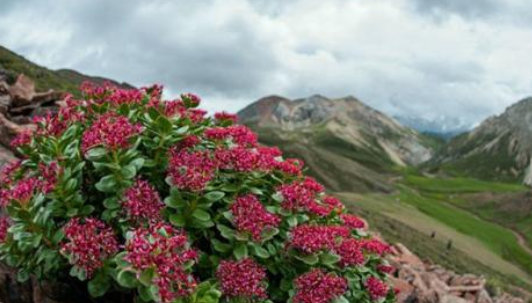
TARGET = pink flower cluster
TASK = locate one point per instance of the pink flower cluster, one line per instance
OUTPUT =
(22, 192)
(351, 254)
(142, 202)
(318, 286)
(188, 142)
(314, 238)
(166, 250)
(8, 172)
(56, 124)
(190, 99)
(353, 221)
(302, 196)
(110, 130)
(49, 175)
(23, 138)
(191, 170)
(239, 134)
(89, 243)
(225, 116)
(242, 279)
(249, 215)
(4, 226)
(243, 159)
(375, 246)
(291, 166)
(377, 289)
(178, 107)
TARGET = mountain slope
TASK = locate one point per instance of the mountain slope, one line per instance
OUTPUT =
(346, 144)
(498, 149)
(65, 80)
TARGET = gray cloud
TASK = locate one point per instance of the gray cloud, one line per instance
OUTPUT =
(472, 62)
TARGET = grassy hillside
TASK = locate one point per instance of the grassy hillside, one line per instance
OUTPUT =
(45, 79)
(333, 161)
(401, 222)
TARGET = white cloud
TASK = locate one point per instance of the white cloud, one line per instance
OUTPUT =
(422, 58)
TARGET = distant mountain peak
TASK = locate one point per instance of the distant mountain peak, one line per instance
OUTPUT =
(347, 118)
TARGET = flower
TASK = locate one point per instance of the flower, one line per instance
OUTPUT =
(242, 279)
(23, 138)
(167, 251)
(225, 116)
(239, 134)
(386, 269)
(375, 246)
(89, 244)
(4, 226)
(350, 252)
(49, 175)
(111, 131)
(318, 286)
(352, 221)
(313, 238)
(56, 124)
(22, 192)
(191, 170)
(142, 201)
(8, 172)
(291, 166)
(239, 159)
(377, 289)
(302, 196)
(249, 215)
(190, 99)
(188, 142)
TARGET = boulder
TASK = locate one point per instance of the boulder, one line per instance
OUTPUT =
(22, 91)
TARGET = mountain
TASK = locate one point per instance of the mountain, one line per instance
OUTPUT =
(346, 144)
(65, 80)
(442, 126)
(498, 149)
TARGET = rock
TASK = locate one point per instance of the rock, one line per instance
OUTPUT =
(405, 256)
(22, 91)
(5, 103)
(6, 156)
(484, 297)
(9, 129)
(452, 299)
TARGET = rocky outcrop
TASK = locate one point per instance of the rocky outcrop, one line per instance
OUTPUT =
(423, 282)
(18, 104)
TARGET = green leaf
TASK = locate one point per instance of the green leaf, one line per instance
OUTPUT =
(106, 184)
(23, 276)
(341, 299)
(269, 233)
(309, 259)
(260, 252)
(119, 259)
(87, 209)
(146, 277)
(226, 232)
(215, 195)
(182, 130)
(178, 220)
(111, 203)
(96, 153)
(241, 251)
(98, 286)
(201, 215)
(220, 246)
(126, 279)
(278, 197)
(138, 163)
(128, 171)
(329, 259)
(164, 124)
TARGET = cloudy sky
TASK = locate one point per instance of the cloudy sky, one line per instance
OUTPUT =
(422, 58)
